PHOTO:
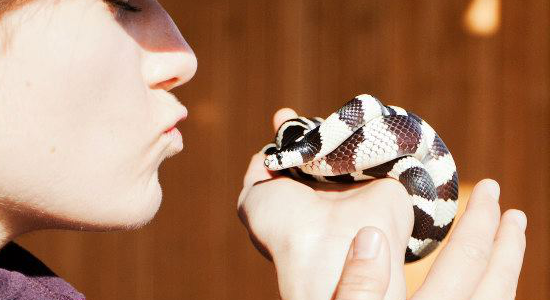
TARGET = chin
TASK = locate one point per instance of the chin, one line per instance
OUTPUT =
(113, 214)
(140, 209)
(139, 214)
(122, 220)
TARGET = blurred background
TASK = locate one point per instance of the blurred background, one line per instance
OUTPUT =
(477, 70)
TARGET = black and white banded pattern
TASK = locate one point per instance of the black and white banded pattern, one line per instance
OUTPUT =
(366, 139)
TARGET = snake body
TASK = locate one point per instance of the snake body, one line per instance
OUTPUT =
(366, 139)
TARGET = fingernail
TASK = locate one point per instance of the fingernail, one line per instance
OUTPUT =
(367, 244)
(521, 219)
(493, 188)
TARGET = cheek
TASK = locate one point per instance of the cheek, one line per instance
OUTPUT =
(78, 125)
(87, 115)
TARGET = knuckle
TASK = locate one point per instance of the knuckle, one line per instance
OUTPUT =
(508, 278)
(507, 285)
(475, 250)
(491, 211)
(243, 216)
(513, 238)
(489, 207)
(359, 283)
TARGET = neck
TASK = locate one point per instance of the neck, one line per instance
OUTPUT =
(11, 225)
(5, 237)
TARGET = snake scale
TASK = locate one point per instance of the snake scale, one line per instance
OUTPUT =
(366, 139)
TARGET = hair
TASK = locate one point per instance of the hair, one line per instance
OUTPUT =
(9, 5)
(5, 7)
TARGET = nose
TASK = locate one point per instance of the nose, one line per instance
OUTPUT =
(170, 62)
(167, 70)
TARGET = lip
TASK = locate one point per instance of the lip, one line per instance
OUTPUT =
(175, 144)
(179, 116)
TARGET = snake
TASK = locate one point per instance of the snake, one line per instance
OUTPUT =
(365, 140)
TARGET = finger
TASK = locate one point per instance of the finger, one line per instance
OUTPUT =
(256, 170)
(283, 115)
(461, 264)
(366, 273)
(501, 278)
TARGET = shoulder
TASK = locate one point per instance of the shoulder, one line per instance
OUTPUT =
(23, 276)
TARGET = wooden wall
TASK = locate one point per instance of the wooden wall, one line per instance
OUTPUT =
(487, 97)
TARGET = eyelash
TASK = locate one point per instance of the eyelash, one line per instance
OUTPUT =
(124, 5)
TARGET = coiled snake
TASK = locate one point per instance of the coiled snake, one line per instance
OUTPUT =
(364, 140)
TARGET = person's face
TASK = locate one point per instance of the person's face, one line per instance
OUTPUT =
(83, 109)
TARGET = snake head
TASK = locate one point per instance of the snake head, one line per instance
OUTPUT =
(272, 163)
(283, 160)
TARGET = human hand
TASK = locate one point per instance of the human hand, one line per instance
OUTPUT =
(306, 227)
(482, 259)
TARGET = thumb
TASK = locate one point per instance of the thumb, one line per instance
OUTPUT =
(366, 272)
(282, 115)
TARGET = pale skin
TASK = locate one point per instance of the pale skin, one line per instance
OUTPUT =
(84, 101)
(83, 105)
